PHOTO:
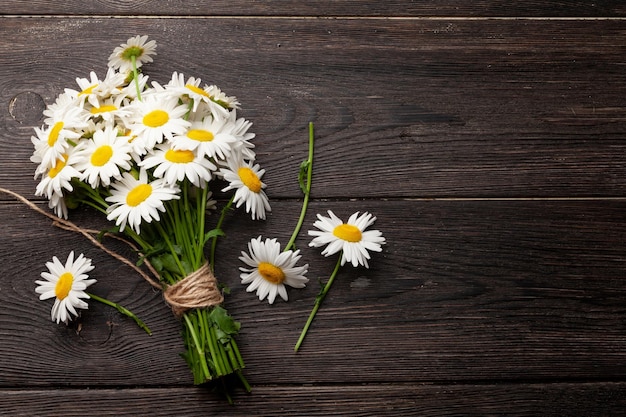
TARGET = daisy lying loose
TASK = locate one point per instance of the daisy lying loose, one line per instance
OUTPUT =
(67, 284)
(271, 269)
(351, 240)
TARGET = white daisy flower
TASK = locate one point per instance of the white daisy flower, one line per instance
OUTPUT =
(137, 47)
(59, 177)
(191, 90)
(246, 179)
(240, 131)
(222, 99)
(67, 284)
(58, 204)
(93, 89)
(103, 158)
(57, 110)
(136, 199)
(155, 118)
(52, 142)
(129, 91)
(270, 269)
(211, 137)
(111, 110)
(351, 237)
(177, 164)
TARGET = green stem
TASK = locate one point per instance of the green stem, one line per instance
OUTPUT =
(218, 361)
(170, 246)
(201, 213)
(198, 346)
(318, 302)
(122, 310)
(219, 227)
(244, 381)
(308, 165)
(182, 226)
(133, 60)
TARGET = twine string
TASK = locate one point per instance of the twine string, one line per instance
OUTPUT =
(196, 290)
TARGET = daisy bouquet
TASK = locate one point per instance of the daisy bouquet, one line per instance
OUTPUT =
(145, 155)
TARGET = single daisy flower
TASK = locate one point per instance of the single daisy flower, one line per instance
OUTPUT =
(270, 269)
(52, 142)
(129, 91)
(136, 200)
(104, 157)
(93, 89)
(245, 178)
(135, 48)
(190, 89)
(66, 284)
(218, 96)
(211, 137)
(63, 103)
(111, 110)
(240, 128)
(59, 176)
(351, 237)
(177, 164)
(154, 119)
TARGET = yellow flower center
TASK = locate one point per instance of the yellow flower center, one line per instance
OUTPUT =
(58, 167)
(138, 194)
(271, 273)
(156, 118)
(88, 90)
(196, 90)
(54, 133)
(179, 157)
(347, 232)
(102, 109)
(200, 135)
(64, 285)
(249, 179)
(101, 156)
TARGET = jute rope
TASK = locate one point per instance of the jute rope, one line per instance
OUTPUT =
(199, 289)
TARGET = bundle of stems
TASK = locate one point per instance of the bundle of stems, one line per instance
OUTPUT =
(175, 248)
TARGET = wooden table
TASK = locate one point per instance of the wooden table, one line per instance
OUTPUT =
(489, 140)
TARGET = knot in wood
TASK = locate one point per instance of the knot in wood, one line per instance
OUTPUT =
(197, 290)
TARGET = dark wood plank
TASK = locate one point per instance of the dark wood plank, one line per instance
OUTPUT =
(403, 108)
(464, 291)
(610, 8)
(591, 399)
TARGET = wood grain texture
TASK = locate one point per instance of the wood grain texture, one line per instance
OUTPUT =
(424, 109)
(392, 400)
(464, 291)
(480, 8)
(488, 139)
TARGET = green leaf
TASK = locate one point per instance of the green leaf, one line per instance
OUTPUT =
(157, 263)
(187, 266)
(155, 250)
(302, 174)
(169, 263)
(226, 326)
(211, 234)
(225, 289)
